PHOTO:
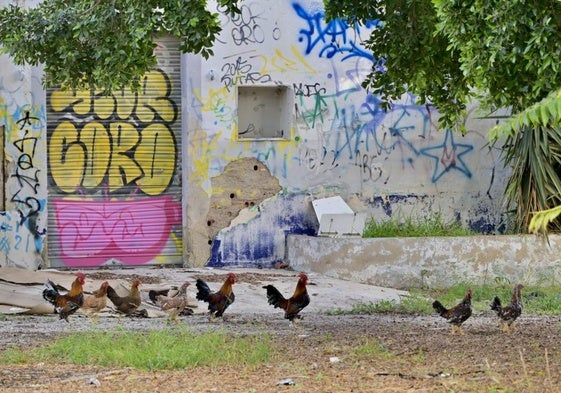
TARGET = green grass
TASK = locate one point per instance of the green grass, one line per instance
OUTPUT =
(429, 226)
(537, 299)
(372, 348)
(156, 350)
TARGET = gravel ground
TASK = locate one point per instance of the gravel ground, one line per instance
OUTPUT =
(328, 353)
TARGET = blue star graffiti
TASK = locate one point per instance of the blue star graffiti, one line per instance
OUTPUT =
(449, 155)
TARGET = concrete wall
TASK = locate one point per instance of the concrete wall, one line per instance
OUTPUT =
(433, 262)
(340, 142)
(246, 187)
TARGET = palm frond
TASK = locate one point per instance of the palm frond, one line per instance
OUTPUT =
(541, 220)
(545, 113)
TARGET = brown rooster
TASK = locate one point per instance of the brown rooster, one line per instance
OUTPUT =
(456, 315)
(96, 302)
(509, 313)
(66, 304)
(126, 304)
(295, 304)
(173, 306)
(219, 301)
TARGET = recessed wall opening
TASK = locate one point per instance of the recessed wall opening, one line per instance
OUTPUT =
(264, 112)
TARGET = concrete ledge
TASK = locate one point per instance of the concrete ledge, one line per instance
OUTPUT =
(435, 261)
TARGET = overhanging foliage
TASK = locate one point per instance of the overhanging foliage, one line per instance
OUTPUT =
(104, 44)
(504, 53)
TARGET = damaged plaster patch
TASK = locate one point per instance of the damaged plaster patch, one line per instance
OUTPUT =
(245, 183)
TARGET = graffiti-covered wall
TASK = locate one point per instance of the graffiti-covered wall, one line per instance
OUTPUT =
(282, 57)
(23, 218)
(216, 161)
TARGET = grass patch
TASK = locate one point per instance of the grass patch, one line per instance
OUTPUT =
(156, 350)
(541, 300)
(415, 303)
(433, 225)
(372, 348)
(14, 355)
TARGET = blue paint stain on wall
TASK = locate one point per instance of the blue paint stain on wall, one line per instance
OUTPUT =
(487, 227)
(262, 241)
(389, 202)
(487, 223)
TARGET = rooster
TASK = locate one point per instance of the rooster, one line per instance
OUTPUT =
(126, 304)
(66, 304)
(295, 304)
(219, 301)
(173, 306)
(96, 302)
(456, 315)
(509, 313)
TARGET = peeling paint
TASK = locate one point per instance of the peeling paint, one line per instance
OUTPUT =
(262, 241)
(244, 184)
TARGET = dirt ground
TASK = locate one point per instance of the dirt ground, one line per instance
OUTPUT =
(328, 353)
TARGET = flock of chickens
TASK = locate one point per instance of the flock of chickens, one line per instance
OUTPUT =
(507, 314)
(66, 304)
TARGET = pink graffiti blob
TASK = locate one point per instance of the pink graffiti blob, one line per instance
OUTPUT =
(133, 232)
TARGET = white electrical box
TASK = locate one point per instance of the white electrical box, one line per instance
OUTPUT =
(336, 218)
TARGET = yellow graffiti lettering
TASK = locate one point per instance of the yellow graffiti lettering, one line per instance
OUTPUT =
(78, 101)
(280, 62)
(156, 154)
(124, 169)
(123, 156)
(97, 143)
(218, 104)
(126, 102)
(67, 157)
(157, 84)
(104, 106)
(152, 103)
(118, 140)
(122, 104)
(79, 159)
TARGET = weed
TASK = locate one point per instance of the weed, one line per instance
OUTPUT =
(420, 357)
(155, 350)
(428, 226)
(373, 349)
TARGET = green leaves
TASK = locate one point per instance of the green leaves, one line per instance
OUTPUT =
(104, 45)
(504, 53)
(546, 113)
(509, 49)
(541, 220)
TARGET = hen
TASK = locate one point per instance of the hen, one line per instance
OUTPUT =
(126, 304)
(456, 315)
(96, 302)
(219, 301)
(292, 307)
(509, 313)
(154, 293)
(173, 306)
(66, 304)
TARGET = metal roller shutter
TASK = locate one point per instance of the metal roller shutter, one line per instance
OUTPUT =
(114, 175)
